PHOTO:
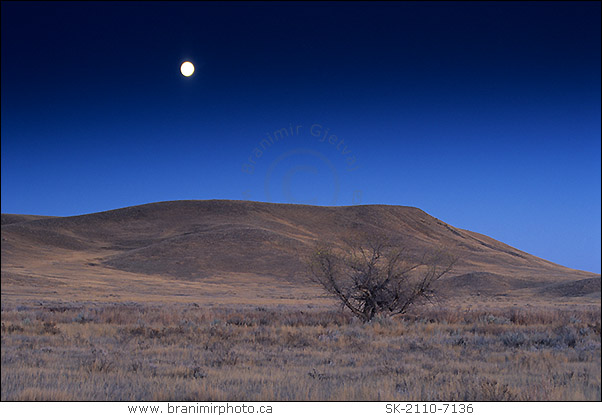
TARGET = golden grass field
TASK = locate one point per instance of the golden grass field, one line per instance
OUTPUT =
(132, 351)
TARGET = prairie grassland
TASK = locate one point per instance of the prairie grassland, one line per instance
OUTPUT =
(179, 352)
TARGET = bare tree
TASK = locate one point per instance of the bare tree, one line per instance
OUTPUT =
(374, 277)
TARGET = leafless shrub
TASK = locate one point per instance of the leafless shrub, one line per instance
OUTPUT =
(374, 277)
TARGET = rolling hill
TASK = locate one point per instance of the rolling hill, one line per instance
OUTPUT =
(221, 244)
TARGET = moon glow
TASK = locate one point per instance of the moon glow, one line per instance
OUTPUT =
(187, 68)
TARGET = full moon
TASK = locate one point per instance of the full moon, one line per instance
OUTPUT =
(187, 69)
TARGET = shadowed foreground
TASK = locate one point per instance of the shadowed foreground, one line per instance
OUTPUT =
(86, 351)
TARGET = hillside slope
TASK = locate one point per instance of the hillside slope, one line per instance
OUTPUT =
(197, 240)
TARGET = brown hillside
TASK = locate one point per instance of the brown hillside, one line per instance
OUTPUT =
(200, 240)
(9, 218)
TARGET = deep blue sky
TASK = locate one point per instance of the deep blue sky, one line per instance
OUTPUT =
(485, 115)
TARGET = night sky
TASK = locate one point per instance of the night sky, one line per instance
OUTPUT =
(485, 115)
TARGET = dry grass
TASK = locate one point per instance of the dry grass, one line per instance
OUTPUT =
(88, 351)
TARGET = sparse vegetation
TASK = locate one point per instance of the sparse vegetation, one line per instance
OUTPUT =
(132, 351)
(375, 277)
(144, 323)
